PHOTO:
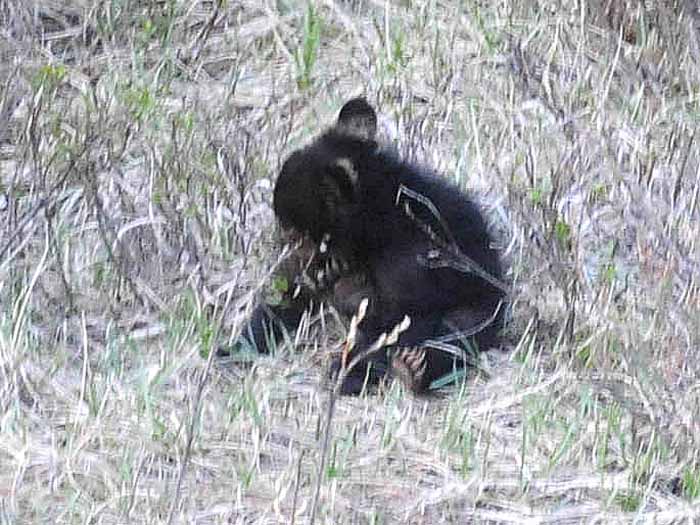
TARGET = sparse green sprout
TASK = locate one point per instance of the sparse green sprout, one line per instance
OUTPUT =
(562, 232)
(492, 38)
(244, 474)
(307, 54)
(141, 102)
(49, 77)
(278, 290)
(449, 379)
(598, 193)
(100, 274)
(185, 121)
(398, 56)
(629, 501)
(536, 196)
(148, 28)
(159, 24)
(609, 273)
(691, 483)
(332, 470)
(585, 355)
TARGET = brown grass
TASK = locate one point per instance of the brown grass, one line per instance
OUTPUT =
(139, 142)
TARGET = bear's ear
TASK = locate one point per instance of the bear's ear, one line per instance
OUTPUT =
(339, 188)
(358, 119)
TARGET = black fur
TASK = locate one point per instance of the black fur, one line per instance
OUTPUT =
(344, 186)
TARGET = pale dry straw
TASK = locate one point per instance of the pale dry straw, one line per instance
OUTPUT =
(139, 143)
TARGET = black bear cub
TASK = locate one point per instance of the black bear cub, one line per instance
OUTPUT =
(409, 241)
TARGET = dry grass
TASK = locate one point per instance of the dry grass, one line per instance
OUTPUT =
(138, 146)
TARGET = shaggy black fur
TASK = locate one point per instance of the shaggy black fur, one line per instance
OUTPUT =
(344, 191)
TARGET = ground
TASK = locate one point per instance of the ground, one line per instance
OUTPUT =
(139, 146)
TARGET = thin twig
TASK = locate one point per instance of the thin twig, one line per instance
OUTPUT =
(462, 334)
(383, 340)
(197, 405)
(456, 258)
(297, 484)
(29, 216)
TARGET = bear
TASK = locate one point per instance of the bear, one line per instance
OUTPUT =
(397, 234)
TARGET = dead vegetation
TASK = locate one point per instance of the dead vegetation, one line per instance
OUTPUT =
(139, 142)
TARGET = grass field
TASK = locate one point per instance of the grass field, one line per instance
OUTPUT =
(139, 144)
